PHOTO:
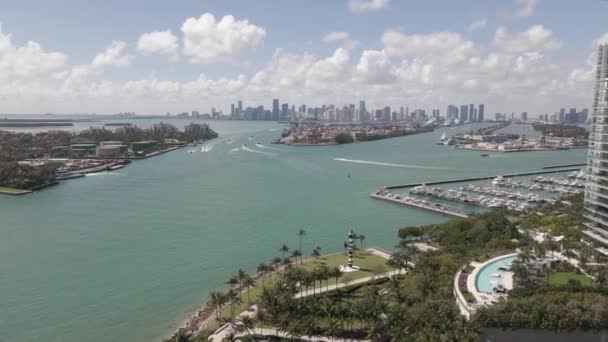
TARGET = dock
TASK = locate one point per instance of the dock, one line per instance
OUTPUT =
(560, 166)
(436, 210)
(462, 180)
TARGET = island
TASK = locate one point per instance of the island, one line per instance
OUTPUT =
(319, 134)
(31, 161)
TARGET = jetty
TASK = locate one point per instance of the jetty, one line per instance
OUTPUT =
(560, 166)
(462, 180)
(419, 204)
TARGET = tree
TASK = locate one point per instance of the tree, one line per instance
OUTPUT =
(248, 282)
(601, 277)
(241, 275)
(246, 323)
(316, 253)
(276, 261)
(296, 254)
(218, 299)
(361, 239)
(336, 272)
(232, 281)
(301, 233)
(344, 138)
(284, 249)
(262, 269)
(234, 299)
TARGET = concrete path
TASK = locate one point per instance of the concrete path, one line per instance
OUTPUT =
(275, 332)
(341, 285)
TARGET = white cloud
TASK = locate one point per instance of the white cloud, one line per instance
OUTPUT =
(375, 67)
(27, 61)
(209, 41)
(477, 25)
(447, 46)
(360, 6)
(536, 38)
(112, 56)
(525, 8)
(158, 42)
(341, 37)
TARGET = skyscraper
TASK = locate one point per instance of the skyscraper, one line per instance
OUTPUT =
(471, 112)
(596, 195)
(362, 111)
(480, 113)
(275, 109)
(464, 114)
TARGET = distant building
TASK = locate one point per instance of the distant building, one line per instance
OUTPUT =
(197, 129)
(480, 113)
(164, 128)
(464, 114)
(275, 109)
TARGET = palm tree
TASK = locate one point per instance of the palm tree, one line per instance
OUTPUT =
(295, 254)
(262, 269)
(234, 298)
(247, 323)
(241, 275)
(248, 282)
(316, 253)
(336, 272)
(284, 249)
(276, 261)
(218, 299)
(301, 232)
(232, 281)
(361, 239)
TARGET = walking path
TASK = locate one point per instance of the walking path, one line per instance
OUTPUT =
(341, 285)
(275, 332)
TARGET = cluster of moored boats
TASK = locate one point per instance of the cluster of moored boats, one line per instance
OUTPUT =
(538, 186)
(464, 197)
(498, 192)
(418, 203)
(577, 183)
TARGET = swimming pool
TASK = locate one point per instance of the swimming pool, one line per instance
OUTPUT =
(487, 277)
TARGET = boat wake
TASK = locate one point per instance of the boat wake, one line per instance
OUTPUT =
(369, 162)
(245, 148)
(235, 150)
(207, 148)
(108, 173)
(268, 147)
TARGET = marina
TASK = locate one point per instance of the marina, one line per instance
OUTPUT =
(463, 180)
(417, 203)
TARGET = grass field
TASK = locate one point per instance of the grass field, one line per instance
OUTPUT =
(370, 265)
(561, 278)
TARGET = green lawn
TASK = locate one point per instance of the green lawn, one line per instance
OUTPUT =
(370, 264)
(561, 278)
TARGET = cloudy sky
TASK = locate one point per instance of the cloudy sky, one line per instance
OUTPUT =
(154, 56)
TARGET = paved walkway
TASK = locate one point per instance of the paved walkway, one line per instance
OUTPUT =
(275, 332)
(341, 285)
(232, 328)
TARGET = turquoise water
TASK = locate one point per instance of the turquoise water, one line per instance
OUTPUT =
(127, 255)
(484, 277)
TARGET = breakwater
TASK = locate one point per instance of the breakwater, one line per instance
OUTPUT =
(462, 180)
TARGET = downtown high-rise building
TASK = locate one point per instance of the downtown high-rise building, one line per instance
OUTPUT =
(596, 188)
(275, 109)
(480, 113)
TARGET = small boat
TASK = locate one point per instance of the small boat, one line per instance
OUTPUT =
(116, 167)
(484, 155)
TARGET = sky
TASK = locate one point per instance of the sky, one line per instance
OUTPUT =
(158, 56)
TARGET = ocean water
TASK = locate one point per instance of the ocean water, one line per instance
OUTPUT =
(127, 255)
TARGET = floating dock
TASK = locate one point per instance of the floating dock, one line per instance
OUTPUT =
(433, 209)
(462, 180)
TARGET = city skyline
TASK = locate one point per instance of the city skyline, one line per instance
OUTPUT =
(202, 55)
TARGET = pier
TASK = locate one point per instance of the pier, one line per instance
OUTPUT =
(462, 180)
(560, 166)
(418, 204)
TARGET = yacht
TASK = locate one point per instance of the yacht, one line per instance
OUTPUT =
(500, 180)
(442, 139)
